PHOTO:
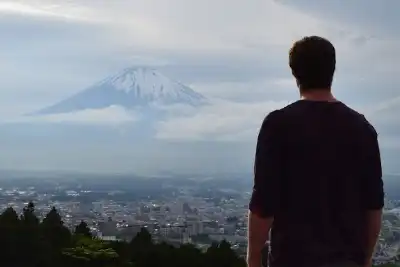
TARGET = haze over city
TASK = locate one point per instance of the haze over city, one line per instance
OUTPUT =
(177, 86)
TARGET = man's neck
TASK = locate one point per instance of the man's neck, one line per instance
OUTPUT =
(318, 95)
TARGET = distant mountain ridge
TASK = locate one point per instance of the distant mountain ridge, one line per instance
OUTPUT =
(130, 88)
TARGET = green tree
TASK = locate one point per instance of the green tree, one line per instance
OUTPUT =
(123, 250)
(90, 253)
(142, 249)
(9, 230)
(30, 243)
(143, 238)
(28, 217)
(221, 254)
(83, 229)
(29, 237)
(189, 255)
(54, 235)
(9, 217)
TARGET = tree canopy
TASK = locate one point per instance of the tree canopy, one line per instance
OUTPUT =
(30, 242)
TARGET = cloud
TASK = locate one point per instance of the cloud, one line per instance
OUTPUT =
(249, 91)
(113, 115)
(384, 116)
(46, 10)
(369, 33)
(247, 28)
(240, 121)
(238, 40)
(231, 50)
(224, 121)
(377, 17)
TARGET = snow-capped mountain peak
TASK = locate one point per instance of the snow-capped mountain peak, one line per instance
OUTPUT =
(148, 83)
(130, 88)
(128, 80)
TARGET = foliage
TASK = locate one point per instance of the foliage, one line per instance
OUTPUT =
(83, 229)
(29, 242)
(90, 252)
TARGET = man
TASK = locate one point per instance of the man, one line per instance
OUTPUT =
(317, 176)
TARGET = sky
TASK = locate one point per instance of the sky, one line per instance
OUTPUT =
(233, 51)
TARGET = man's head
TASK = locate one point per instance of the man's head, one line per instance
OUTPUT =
(313, 60)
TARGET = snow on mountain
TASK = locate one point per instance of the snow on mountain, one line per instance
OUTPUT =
(130, 88)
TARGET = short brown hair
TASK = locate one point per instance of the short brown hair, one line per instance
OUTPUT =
(313, 62)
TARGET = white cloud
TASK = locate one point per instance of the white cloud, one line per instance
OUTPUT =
(44, 10)
(389, 142)
(240, 121)
(383, 106)
(113, 115)
(254, 30)
(227, 120)
(224, 120)
(210, 25)
(384, 116)
(249, 91)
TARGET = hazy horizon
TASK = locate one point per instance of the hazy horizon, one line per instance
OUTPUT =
(232, 53)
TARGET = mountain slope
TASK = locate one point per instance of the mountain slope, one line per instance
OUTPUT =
(131, 88)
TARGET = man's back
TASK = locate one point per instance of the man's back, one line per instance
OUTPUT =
(317, 173)
(329, 176)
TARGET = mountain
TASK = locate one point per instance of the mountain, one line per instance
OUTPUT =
(132, 146)
(130, 88)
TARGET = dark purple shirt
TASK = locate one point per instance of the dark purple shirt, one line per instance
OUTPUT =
(317, 172)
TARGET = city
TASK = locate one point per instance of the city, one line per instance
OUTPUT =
(177, 210)
(173, 210)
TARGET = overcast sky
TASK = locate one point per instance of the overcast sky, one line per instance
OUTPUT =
(232, 50)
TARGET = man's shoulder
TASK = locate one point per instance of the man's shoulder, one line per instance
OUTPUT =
(293, 110)
(362, 120)
(353, 112)
(277, 115)
(273, 118)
